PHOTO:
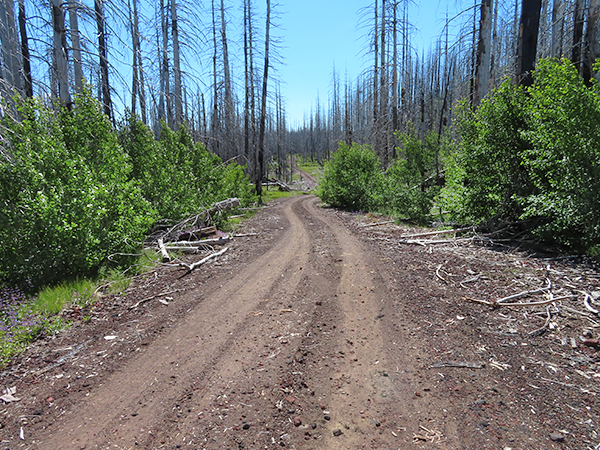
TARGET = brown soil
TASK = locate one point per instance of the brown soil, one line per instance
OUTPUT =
(320, 332)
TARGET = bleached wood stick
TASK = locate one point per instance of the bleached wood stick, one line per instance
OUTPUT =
(376, 224)
(191, 267)
(163, 251)
(586, 302)
(525, 293)
(434, 233)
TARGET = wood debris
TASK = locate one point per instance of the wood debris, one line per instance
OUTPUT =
(459, 364)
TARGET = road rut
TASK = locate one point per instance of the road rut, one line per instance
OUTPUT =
(300, 348)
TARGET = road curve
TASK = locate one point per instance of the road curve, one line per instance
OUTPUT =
(299, 349)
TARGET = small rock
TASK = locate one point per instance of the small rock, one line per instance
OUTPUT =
(290, 399)
(327, 417)
(377, 423)
(291, 411)
(319, 303)
(337, 432)
(314, 426)
(557, 437)
(297, 421)
(246, 426)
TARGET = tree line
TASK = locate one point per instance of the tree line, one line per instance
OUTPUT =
(169, 61)
(407, 88)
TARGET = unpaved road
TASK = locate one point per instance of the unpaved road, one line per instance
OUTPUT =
(306, 337)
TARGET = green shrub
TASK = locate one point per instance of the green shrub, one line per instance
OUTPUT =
(564, 158)
(412, 178)
(66, 200)
(532, 153)
(180, 178)
(487, 168)
(352, 179)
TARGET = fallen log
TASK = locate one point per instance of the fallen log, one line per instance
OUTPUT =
(186, 244)
(225, 205)
(434, 233)
(163, 251)
(191, 267)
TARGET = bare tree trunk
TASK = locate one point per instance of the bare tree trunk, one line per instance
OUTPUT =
(249, 86)
(27, 80)
(76, 43)
(60, 53)
(495, 48)
(528, 37)
(229, 124)
(214, 124)
(558, 25)
(384, 90)
(395, 79)
(578, 23)
(263, 110)
(14, 45)
(592, 49)
(176, 66)
(484, 47)
(8, 72)
(164, 69)
(103, 51)
(134, 67)
(375, 132)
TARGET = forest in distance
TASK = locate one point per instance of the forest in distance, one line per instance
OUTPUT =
(499, 125)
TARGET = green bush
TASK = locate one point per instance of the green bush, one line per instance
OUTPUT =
(352, 179)
(533, 153)
(564, 158)
(66, 200)
(487, 168)
(412, 178)
(179, 177)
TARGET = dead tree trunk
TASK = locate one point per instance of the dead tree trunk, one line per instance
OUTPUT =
(178, 98)
(228, 116)
(578, 23)
(592, 48)
(263, 109)
(103, 52)
(484, 47)
(558, 28)
(138, 88)
(60, 53)
(76, 43)
(27, 79)
(528, 37)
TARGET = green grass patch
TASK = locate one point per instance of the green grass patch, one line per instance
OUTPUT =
(52, 300)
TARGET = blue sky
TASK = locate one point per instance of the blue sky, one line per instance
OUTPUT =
(320, 33)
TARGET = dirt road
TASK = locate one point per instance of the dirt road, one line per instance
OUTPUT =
(303, 337)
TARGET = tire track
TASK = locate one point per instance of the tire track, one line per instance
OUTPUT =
(131, 406)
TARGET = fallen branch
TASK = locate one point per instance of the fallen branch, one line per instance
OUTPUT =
(586, 302)
(191, 267)
(163, 251)
(526, 293)
(496, 304)
(187, 244)
(377, 223)
(435, 241)
(459, 364)
(437, 272)
(542, 329)
(434, 233)
(153, 297)
(225, 205)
